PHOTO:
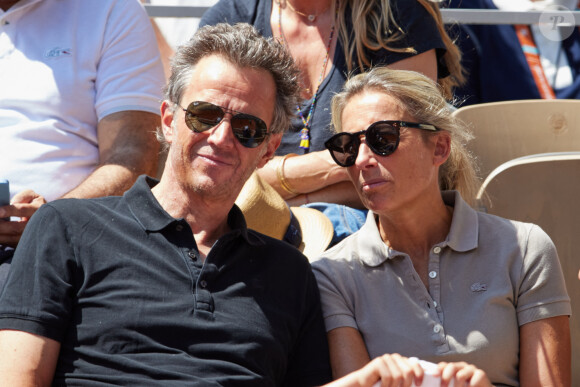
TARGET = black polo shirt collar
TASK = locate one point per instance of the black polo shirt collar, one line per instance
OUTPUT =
(152, 217)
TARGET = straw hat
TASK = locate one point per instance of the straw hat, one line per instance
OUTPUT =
(266, 212)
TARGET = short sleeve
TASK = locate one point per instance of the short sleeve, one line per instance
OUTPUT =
(542, 290)
(37, 297)
(129, 73)
(336, 304)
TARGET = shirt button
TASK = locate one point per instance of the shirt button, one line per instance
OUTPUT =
(437, 328)
(435, 304)
(203, 283)
(432, 274)
(437, 250)
(179, 227)
(192, 255)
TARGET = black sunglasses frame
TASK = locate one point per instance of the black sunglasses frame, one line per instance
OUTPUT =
(191, 117)
(371, 139)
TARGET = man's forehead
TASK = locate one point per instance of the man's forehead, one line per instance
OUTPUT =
(219, 81)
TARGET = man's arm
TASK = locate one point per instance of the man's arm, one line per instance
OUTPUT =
(27, 359)
(127, 149)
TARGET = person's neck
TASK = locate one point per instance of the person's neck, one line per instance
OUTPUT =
(415, 230)
(207, 217)
(6, 4)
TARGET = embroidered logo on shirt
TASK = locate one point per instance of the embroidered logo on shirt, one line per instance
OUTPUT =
(58, 52)
(478, 287)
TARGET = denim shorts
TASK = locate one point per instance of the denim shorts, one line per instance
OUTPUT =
(345, 220)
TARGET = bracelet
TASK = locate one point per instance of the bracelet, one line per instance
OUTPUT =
(281, 178)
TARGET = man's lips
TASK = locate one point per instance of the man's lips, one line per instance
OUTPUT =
(217, 159)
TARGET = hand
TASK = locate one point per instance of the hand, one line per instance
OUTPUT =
(384, 371)
(24, 204)
(462, 374)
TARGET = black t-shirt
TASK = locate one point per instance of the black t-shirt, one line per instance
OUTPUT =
(421, 33)
(118, 282)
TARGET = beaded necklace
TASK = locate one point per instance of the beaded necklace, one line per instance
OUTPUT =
(305, 132)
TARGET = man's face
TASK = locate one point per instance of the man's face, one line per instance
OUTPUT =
(213, 163)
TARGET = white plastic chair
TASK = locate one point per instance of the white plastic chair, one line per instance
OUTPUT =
(544, 189)
(507, 130)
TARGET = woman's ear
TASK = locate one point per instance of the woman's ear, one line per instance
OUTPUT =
(167, 115)
(442, 148)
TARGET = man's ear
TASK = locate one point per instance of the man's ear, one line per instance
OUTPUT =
(271, 146)
(442, 148)
(167, 121)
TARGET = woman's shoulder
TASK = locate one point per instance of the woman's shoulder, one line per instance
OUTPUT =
(232, 11)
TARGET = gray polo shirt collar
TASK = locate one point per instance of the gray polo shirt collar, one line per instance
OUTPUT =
(462, 235)
(152, 217)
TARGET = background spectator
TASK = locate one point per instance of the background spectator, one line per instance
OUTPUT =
(79, 102)
(510, 62)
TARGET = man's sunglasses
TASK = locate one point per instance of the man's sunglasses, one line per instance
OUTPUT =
(382, 137)
(250, 131)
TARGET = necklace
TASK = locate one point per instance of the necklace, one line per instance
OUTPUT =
(305, 132)
(311, 17)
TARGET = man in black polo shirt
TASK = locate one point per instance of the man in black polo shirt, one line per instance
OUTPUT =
(166, 285)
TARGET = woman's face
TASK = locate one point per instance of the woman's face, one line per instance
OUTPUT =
(402, 179)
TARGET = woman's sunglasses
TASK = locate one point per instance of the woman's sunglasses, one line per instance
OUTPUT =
(382, 137)
(250, 131)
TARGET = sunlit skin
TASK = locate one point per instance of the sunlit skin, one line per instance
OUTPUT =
(213, 164)
(394, 182)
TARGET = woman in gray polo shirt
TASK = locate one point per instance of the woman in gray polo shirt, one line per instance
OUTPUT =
(427, 275)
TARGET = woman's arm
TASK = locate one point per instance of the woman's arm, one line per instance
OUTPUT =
(348, 351)
(314, 174)
(351, 366)
(545, 352)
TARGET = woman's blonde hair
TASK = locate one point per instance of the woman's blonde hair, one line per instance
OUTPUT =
(419, 96)
(376, 29)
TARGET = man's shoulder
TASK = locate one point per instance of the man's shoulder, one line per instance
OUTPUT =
(82, 208)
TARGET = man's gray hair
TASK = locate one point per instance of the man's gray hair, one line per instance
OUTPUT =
(244, 46)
